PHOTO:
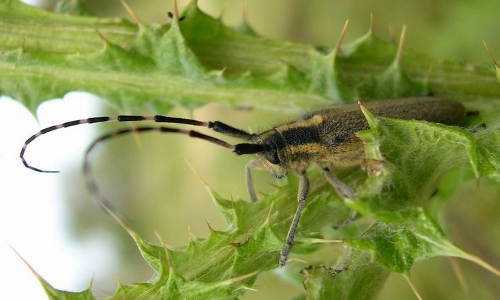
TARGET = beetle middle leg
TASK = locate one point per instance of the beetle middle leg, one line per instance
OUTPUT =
(251, 165)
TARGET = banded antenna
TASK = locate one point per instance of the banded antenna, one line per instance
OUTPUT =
(239, 149)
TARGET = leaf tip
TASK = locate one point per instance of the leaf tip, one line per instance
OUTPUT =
(170, 263)
(25, 262)
(413, 288)
(101, 36)
(480, 262)
(233, 280)
(493, 61)
(191, 235)
(370, 118)
(210, 228)
(205, 184)
(46, 286)
(397, 59)
(132, 14)
(371, 30)
(118, 220)
(176, 18)
(335, 51)
(459, 273)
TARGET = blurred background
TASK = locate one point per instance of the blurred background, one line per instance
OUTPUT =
(52, 222)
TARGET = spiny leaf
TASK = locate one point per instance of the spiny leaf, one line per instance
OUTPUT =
(399, 246)
(392, 82)
(396, 193)
(415, 155)
(259, 72)
(354, 277)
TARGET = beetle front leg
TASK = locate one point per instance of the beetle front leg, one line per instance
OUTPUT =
(301, 198)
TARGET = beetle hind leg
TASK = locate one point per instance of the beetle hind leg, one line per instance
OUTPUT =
(343, 191)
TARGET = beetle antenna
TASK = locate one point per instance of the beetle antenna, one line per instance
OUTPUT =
(215, 126)
(89, 178)
(246, 148)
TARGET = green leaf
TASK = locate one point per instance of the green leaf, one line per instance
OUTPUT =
(405, 181)
(403, 184)
(399, 246)
(201, 61)
(356, 278)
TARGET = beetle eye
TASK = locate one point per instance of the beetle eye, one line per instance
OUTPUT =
(273, 158)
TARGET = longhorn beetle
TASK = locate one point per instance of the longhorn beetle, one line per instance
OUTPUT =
(324, 137)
